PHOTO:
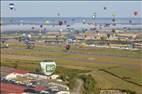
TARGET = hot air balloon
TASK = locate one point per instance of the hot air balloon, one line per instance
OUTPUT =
(23, 35)
(113, 14)
(12, 6)
(67, 47)
(60, 22)
(113, 20)
(83, 21)
(48, 67)
(21, 22)
(105, 8)
(130, 21)
(29, 36)
(65, 22)
(46, 22)
(33, 27)
(94, 15)
(41, 26)
(58, 14)
(135, 13)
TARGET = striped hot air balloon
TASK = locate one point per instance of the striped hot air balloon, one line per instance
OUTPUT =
(11, 6)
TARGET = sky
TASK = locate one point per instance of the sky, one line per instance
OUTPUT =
(71, 8)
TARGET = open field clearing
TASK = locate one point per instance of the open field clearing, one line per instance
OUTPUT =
(123, 63)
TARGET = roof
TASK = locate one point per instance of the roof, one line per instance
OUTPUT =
(20, 71)
(5, 71)
(40, 88)
(8, 70)
(11, 88)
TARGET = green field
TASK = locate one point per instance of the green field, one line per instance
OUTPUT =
(125, 64)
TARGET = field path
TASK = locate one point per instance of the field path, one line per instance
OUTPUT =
(77, 89)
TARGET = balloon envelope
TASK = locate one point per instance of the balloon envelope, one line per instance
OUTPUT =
(105, 8)
(113, 14)
(48, 68)
(47, 22)
(135, 13)
(11, 6)
(60, 22)
(58, 14)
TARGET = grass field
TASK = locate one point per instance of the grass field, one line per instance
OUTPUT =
(124, 63)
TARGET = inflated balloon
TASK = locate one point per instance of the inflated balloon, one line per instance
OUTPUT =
(33, 27)
(46, 22)
(65, 22)
(29, 36)
(113, 14)
(130, 21)
(83, 21)
(58, 14)
(41, 26)
(73, 19)
(67, 47)
(94, 15)
(12, 6)
(23, 35)
(135, 13)
(21, 22)
(48, 67)
(60, 22)
(105, 8)
(113, 20)
(61, 30)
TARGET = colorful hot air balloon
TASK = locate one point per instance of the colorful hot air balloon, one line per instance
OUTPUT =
(12, 6)
(48, 67)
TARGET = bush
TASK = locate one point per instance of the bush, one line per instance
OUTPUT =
(89, 84)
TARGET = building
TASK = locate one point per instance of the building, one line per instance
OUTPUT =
(23, 82)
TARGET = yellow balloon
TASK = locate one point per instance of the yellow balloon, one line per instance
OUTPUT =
(46, 22)
(113, 14)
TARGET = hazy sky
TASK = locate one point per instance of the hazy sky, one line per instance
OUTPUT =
(71, 8)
